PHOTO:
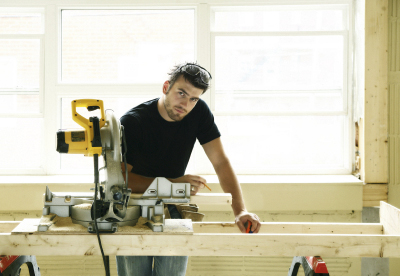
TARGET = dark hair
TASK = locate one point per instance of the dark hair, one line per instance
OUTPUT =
(195, 80)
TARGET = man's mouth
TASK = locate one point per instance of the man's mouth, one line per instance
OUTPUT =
(181, 111)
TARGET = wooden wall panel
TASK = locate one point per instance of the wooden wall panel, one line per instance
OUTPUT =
(394, 102)
(375, 148)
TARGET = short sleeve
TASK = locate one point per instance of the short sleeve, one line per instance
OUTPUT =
(207, 130)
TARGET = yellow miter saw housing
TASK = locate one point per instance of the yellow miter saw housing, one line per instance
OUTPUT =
(111, 204)
(82, 141)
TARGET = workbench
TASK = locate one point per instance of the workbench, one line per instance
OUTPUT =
(222, 239)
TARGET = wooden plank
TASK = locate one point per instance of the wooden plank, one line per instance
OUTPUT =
(8, 226)
(26, 226)
(279, 245)
(212, 199)
(30, 226)
(390, 219)
(315, 191)
(375, 145)
(374, 193)
(372, 203)
(293, 227)
(371, 190)
(64, 226)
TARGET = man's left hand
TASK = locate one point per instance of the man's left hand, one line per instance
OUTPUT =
(243, 217)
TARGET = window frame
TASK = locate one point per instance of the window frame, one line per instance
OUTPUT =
(40, 114)
(348, 71)
(51, 63)
(41, 37)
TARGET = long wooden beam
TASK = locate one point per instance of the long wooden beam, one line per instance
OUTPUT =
(293, 227)
(390, 219)
(374, 149)
(219, 239)
(213, 244)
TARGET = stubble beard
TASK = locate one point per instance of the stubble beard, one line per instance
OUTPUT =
(170, 111)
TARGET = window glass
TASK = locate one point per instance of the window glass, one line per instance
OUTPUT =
(282, 144)
(19, 63)
(12, 22)
(281, 88)
(22, 143)
(279, 73)
(19, 75)
(124, 46)
(279, 19)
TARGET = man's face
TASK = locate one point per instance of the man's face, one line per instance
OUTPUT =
(180, 99)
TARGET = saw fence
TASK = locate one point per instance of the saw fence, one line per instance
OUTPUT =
(219, 239)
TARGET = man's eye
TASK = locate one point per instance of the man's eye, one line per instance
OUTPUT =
(181, 94)
(194, 100)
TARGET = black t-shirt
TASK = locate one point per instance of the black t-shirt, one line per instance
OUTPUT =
(158, 148)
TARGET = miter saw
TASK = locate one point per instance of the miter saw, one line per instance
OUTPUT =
(111, 205)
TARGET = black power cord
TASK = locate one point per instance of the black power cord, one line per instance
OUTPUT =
(96, 182)
(124, 155)
(96, 142)
(106, 260)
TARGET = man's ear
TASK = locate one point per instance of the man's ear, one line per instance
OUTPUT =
(165, 87)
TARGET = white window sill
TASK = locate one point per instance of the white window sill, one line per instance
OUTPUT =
(212, 179)
(261, 192)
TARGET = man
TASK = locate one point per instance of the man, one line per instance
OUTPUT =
(160, 136)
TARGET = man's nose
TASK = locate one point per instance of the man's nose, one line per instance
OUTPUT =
(184, 102)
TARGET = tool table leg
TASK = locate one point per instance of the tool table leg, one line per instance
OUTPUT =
(308, 268)
(14, 268)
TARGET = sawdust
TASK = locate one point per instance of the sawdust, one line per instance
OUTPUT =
(141, 222)
(66, 224)
(140, 226)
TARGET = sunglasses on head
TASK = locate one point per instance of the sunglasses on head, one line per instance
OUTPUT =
(194, 70)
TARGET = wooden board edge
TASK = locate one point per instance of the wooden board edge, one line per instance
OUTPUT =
(389, 218)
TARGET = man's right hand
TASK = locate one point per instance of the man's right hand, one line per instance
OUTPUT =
(196, 182)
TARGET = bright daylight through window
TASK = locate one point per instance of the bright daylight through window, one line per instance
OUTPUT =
(282, 87)
(21, 55)
(281, 91)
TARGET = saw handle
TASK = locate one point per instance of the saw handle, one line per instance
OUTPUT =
(88, 125)
(90, 105)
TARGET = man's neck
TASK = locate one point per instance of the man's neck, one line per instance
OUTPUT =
(162, 111)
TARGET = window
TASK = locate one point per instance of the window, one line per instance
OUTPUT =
(281, 89)
(135, 47)
(124, 46)
(21, 89)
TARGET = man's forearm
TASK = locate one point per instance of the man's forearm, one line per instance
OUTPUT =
(230, 184)
(137, 183)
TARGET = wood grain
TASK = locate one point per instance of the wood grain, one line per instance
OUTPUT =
(390, 219)
(279, 245)
(375, 148)
(374, 193)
